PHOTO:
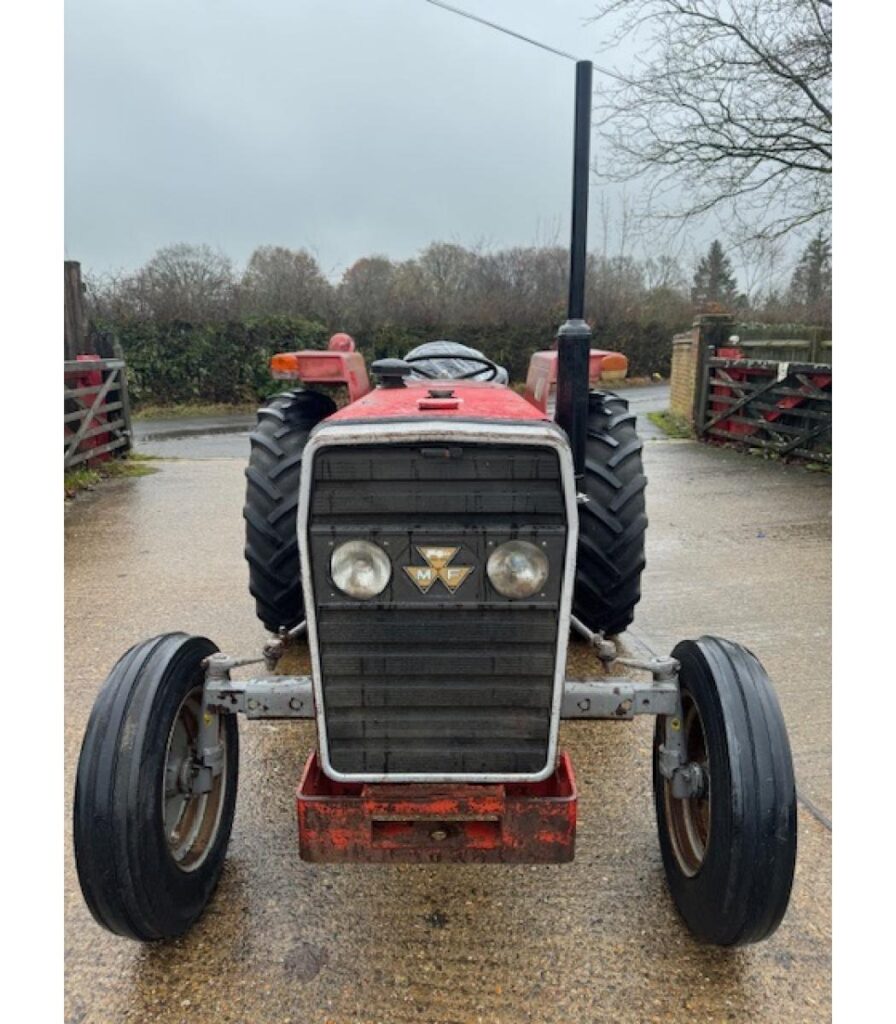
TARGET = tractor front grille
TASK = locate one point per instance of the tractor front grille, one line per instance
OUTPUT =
(437, 691)
(436, 684)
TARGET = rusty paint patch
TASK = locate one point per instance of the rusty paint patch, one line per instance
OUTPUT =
(521, 823)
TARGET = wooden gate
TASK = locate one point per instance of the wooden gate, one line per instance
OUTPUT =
(97, 411)
(778, 407)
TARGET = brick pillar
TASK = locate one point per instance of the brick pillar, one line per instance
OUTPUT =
(689, 352)
(684, 377)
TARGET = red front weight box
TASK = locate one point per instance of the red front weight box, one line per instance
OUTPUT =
(418, 823)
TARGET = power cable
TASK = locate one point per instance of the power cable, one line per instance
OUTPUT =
(519, 35)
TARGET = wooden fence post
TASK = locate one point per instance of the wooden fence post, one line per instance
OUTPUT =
(124, 393)
(712, 330)
(75, 314)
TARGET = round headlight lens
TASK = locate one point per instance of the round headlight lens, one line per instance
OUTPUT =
(517, 569)
(360, 569)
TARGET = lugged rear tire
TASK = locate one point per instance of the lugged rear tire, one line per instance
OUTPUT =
(272, 495)
(613, 522)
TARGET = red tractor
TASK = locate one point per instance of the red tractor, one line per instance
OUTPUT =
(435, 539)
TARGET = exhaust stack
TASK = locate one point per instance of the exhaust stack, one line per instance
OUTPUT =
(574, 336)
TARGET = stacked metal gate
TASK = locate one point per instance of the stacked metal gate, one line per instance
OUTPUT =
(97, 411)
(779, 407)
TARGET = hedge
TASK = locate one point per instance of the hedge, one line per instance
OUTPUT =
(183, 362)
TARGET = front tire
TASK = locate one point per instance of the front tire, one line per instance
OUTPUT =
(729, 852)
(612, 522)
(149, 851)
(272, 496)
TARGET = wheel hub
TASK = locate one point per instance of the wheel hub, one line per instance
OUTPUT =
(688, 794)
(190, 812)
(689, 780)
(186, 775)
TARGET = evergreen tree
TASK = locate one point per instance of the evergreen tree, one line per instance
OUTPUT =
(714, 280)
(810, 285)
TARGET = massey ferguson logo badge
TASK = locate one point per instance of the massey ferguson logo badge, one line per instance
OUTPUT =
(437, 568)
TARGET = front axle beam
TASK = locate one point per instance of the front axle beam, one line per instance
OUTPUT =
(291, 697)
(615, 698)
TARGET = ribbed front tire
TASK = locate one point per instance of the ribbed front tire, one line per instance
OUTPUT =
(729, 851)
(613, 522)
(147, 873)
(272, 496)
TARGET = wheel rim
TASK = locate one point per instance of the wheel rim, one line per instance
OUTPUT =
(690, 818)
(190, 820)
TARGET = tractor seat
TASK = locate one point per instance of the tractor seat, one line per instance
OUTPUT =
(445, 361)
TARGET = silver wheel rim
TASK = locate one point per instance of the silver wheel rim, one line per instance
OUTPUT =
(190, 820)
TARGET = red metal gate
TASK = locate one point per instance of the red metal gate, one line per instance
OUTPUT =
(784, 408)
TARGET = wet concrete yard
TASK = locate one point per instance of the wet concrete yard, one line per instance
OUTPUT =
(736, 546)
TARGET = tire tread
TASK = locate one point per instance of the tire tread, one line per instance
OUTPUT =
(613, 523)
(110, 834)
(740, 896)
(272, 483)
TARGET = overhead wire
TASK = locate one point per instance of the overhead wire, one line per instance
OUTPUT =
(519, 35)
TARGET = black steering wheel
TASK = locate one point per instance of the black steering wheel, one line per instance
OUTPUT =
(483, 362)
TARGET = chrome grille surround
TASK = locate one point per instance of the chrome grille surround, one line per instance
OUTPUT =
(440, 431)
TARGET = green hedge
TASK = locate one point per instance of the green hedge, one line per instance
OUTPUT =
(782, 331)
(181, 362)
(647, 346)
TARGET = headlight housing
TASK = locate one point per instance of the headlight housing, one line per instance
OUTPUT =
(360, 569)
(517, 569)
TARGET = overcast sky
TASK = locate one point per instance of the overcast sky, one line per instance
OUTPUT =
(349, 127)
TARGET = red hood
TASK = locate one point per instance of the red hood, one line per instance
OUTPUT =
(468, 400)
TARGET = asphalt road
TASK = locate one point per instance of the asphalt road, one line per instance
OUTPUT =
(215, 437)
(737, 546)
(195, 437)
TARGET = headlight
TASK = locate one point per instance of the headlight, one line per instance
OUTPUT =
(360, 569)
(517, 569)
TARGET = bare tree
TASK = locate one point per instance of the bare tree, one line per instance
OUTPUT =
(109, 296)
(728, 109)
(365, 293)
(446, 271)
(663, 271)
(763, 264)
(193, 283)
(285, 281)
(184, 282)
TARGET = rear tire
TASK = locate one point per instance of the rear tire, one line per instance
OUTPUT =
(272, 496)
(730, 852)
(613, 522)
(148, 850)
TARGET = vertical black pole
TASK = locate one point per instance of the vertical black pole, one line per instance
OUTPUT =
(580, 173)
(574, 337)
